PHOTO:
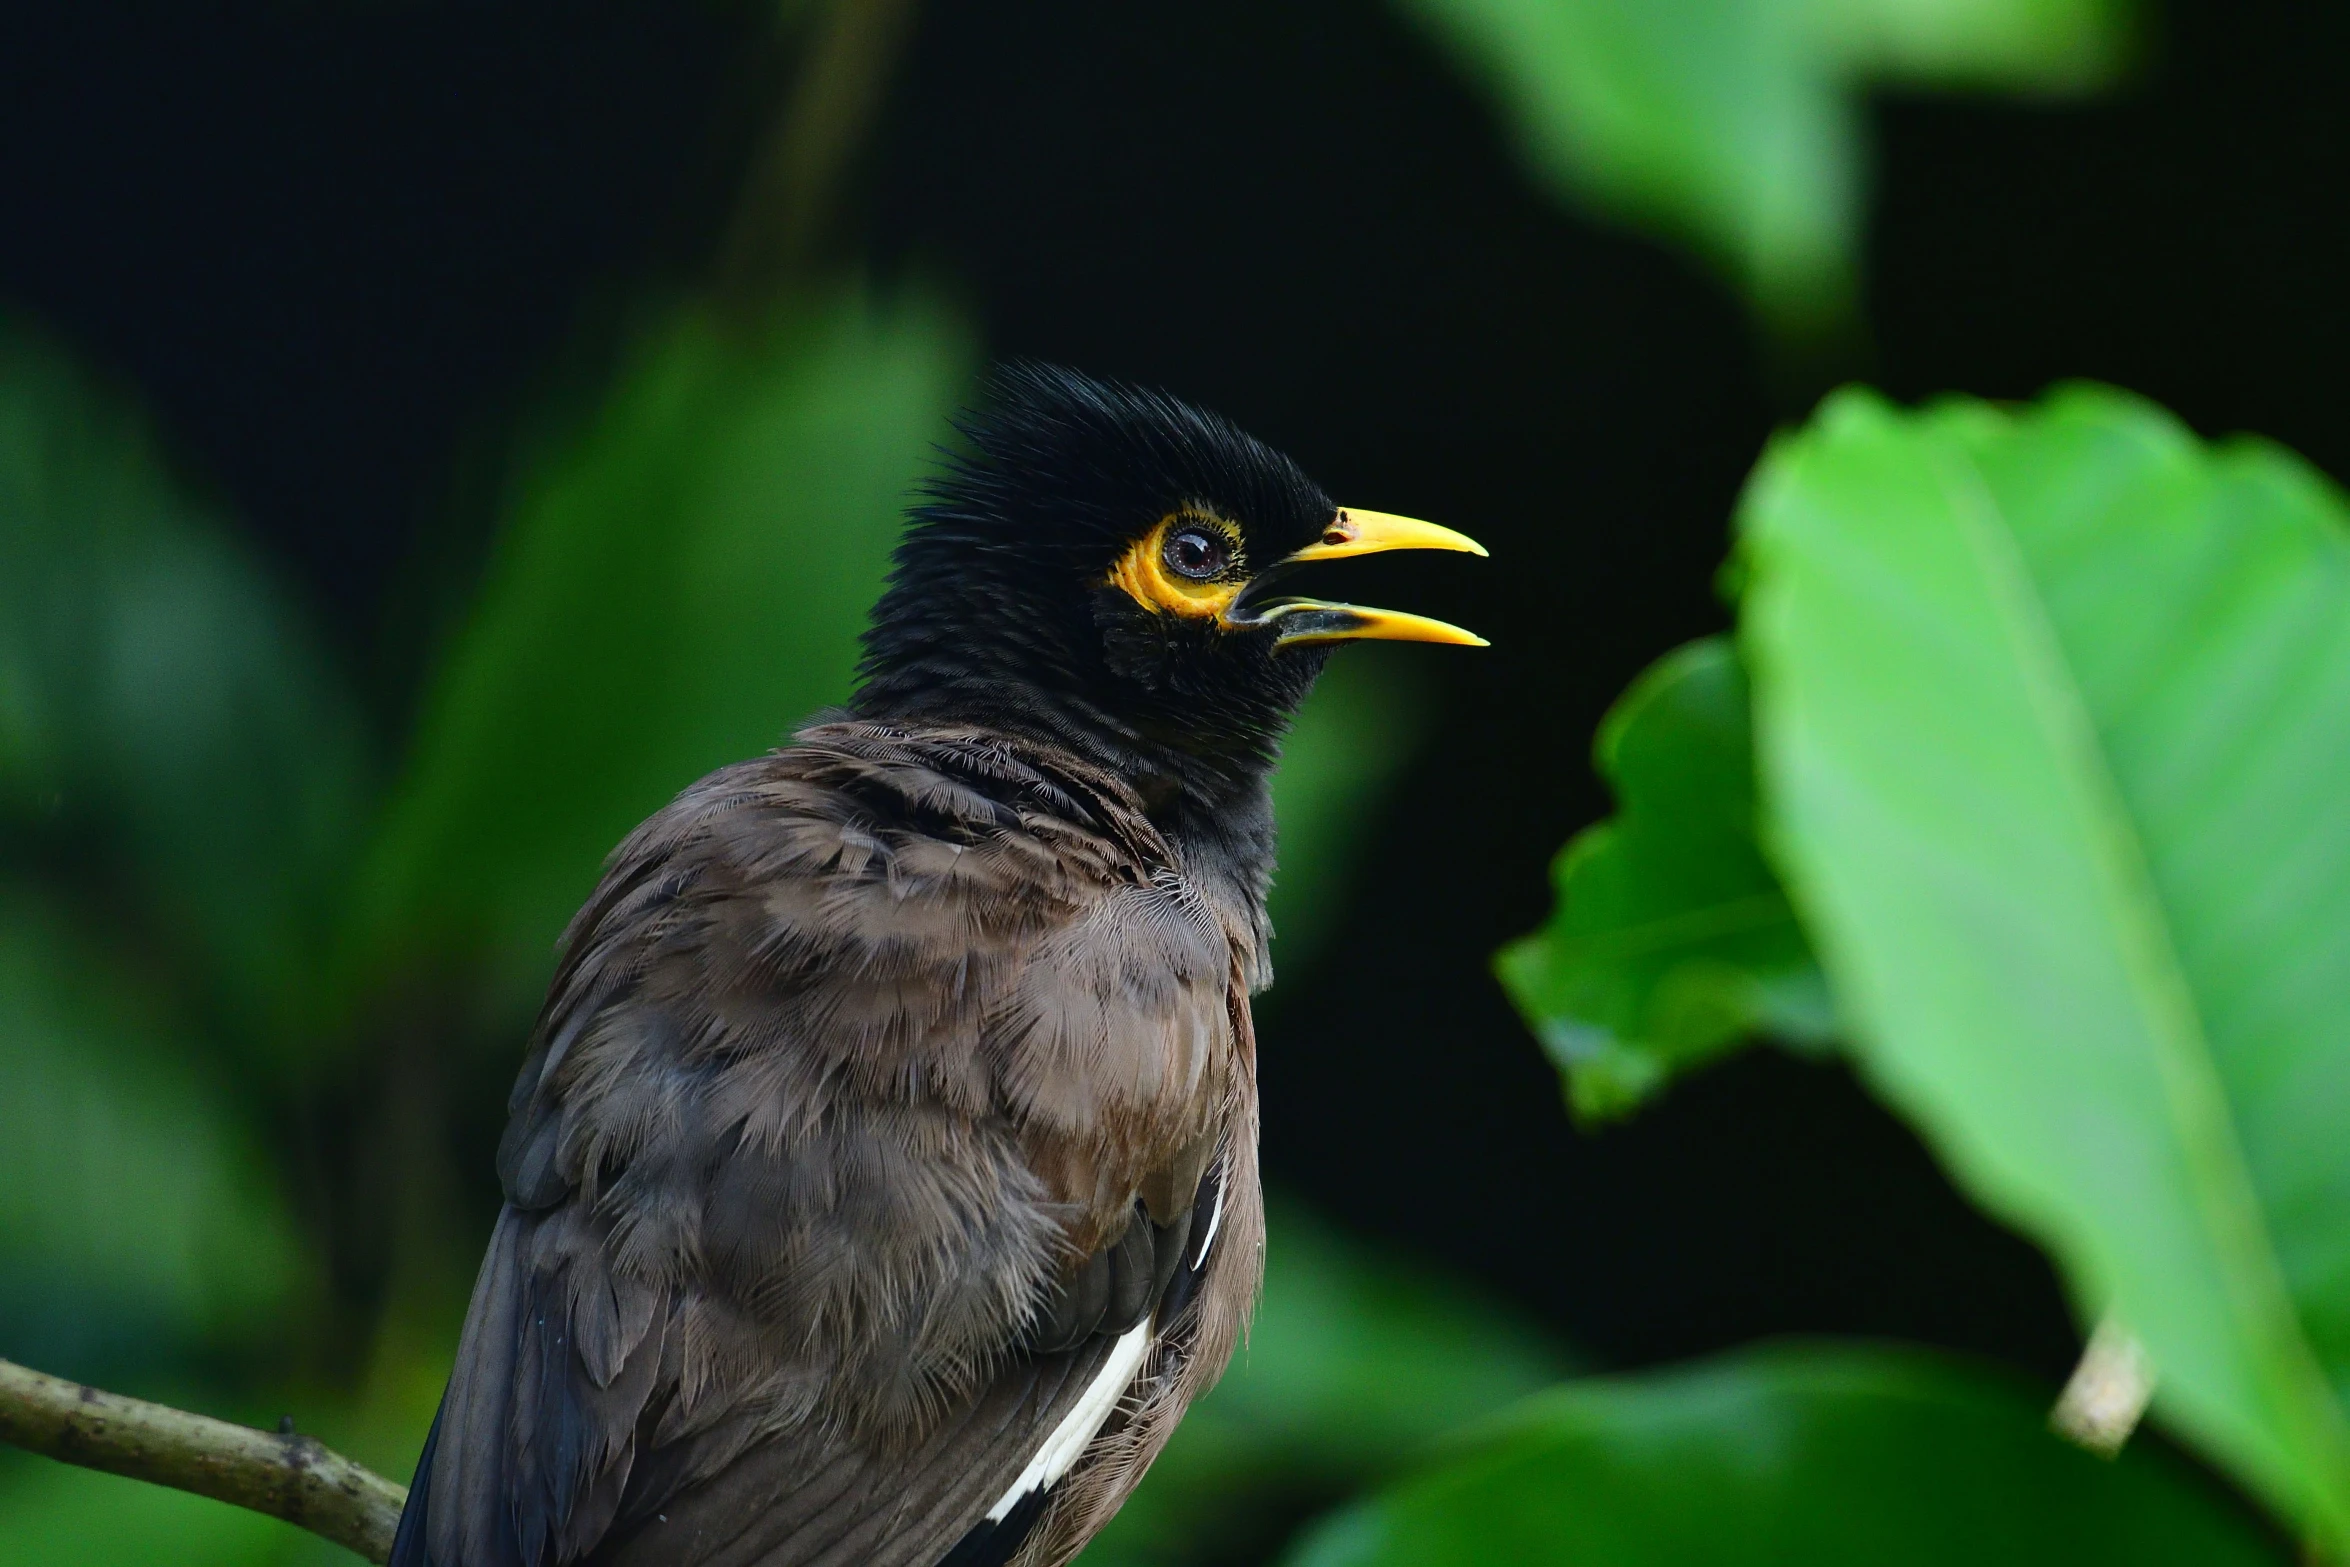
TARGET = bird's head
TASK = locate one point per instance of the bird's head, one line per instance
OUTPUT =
(1103, 560)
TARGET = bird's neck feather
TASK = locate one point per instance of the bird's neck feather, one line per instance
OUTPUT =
(1216, 809)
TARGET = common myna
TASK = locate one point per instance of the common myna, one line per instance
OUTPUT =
(881, 1182)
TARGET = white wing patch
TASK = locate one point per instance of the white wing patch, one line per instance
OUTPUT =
(1083, 1423)
(1215, 1217)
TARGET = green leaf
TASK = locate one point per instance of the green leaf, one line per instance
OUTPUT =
(160, 701)
(674, 591)
(2053, 719)
(1737, 124)
(134, 1207)
(1799, 1454)
(1672, 940)
(1354, 1365)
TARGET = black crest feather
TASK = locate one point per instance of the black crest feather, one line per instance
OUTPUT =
(996, 608)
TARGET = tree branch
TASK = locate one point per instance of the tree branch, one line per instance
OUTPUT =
(286, 1476)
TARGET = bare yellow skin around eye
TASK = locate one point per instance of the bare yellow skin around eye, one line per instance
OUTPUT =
(1142, 574)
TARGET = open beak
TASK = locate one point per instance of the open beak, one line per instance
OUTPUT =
(1354, 532)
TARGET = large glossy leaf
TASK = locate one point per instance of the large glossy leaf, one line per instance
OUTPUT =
(2053, 720)
(1737, 124)
(1672, 940)
(1354, 1365)
(1847, 1457)
(675, 589)
(166, 721)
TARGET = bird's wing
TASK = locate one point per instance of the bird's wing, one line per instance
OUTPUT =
(1023, 1471)
(800, 1258)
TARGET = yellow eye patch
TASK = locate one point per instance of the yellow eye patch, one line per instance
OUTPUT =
(1142, 573)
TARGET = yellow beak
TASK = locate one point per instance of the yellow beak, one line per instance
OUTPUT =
(1356, 532)
(1313, 620)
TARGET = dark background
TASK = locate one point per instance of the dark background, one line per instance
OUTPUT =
(339, 249)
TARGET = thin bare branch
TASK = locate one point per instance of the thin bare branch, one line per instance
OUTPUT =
(286, 1476)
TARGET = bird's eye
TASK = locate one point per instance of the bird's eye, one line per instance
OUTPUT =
(1196, 553)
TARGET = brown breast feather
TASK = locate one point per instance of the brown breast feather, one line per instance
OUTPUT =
(857, 1056)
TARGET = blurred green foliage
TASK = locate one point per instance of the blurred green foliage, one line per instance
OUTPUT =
(1736, 125)
(1824, 1455)
(179, 774)
(166, 719)
(52, 1513)
(132, 1199)
(2050, 708)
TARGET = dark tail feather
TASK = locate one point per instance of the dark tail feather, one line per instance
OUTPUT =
(992, 1543)
(408, 1547)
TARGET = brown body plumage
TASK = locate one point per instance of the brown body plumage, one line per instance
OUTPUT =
(881, 1181)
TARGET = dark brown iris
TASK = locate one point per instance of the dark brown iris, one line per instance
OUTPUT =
(1197, 553)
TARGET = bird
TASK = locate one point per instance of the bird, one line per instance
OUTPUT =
(880, 1182)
